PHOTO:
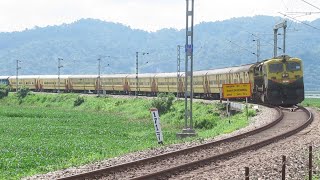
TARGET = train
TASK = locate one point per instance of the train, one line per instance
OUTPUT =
(277, 81)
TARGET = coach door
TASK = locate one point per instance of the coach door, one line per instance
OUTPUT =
(206, 84)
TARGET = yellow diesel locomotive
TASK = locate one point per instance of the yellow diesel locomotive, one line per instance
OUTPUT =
(277, 81)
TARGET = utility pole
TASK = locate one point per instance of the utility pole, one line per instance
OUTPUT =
(275, 30)
(178, 68)
(137, 72)
(188, 89)
(59, 66)
(258, 49)
(17, 79)
(99, 74)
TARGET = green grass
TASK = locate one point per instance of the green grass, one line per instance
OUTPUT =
(311, 102)
(46, 132)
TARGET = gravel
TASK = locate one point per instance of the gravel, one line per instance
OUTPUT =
(266, 163)
(285, 125)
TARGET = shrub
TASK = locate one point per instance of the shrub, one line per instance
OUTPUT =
(205, 124)
(120, 102)
(251, 112)
(23, 92)
(78, 101)
(163, 102)
(221, 106)
(4, 91)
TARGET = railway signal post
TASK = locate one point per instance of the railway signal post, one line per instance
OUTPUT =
(188, 89)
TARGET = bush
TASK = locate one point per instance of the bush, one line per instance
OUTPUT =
(4, 91)
(221, 106)
(78, 101)
(205, 124)
(23, 92)
(163, 102)
(251, 112)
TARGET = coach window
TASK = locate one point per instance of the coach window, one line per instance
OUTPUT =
(276, 68)
(293, 66)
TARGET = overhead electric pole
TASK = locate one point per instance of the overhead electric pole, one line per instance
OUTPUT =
(59, 66)
(99, 74)
(137, 72)
(17, 74)
(178, 68)
(275, 30)
(258, 49)
(188, 89)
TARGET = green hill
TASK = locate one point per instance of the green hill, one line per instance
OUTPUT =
(216, 44)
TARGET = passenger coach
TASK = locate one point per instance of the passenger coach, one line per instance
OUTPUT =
(277, 81)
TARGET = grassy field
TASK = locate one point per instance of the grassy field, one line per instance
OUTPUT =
(311, 102)
(46, 132)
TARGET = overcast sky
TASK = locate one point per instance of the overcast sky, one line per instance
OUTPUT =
(150, 15)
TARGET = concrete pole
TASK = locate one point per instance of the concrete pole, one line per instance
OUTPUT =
(99, 74)
(137, 73)
(59, 66)
(17, 74)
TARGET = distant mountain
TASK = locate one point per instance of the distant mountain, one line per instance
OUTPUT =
(216, 44)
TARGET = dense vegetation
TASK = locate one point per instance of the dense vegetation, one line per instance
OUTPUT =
(41, 133)
(4, 91)
(216, 44)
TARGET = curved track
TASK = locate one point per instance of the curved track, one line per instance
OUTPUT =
(161, 166)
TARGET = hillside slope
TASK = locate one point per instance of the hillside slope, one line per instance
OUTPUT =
(216, 44)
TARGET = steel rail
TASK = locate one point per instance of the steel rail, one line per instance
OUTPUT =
(111, 169)
(175, 170)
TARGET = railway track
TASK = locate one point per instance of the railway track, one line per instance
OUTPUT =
(163, 166)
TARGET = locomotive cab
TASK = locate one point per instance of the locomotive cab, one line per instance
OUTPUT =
(4, 80)
(284, 81)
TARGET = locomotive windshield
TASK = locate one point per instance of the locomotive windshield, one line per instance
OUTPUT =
(275, 68)
(4, 81)
(293, 66)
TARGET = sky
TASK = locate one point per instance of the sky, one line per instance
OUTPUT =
(149, 15)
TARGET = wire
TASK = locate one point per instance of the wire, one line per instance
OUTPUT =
(305, 13)
(311, 4)
(299, 21)
(243, 48)
(262, 39)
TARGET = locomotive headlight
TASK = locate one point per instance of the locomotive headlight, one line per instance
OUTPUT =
(285, 75)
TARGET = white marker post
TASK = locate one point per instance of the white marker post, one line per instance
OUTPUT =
(156, 122)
